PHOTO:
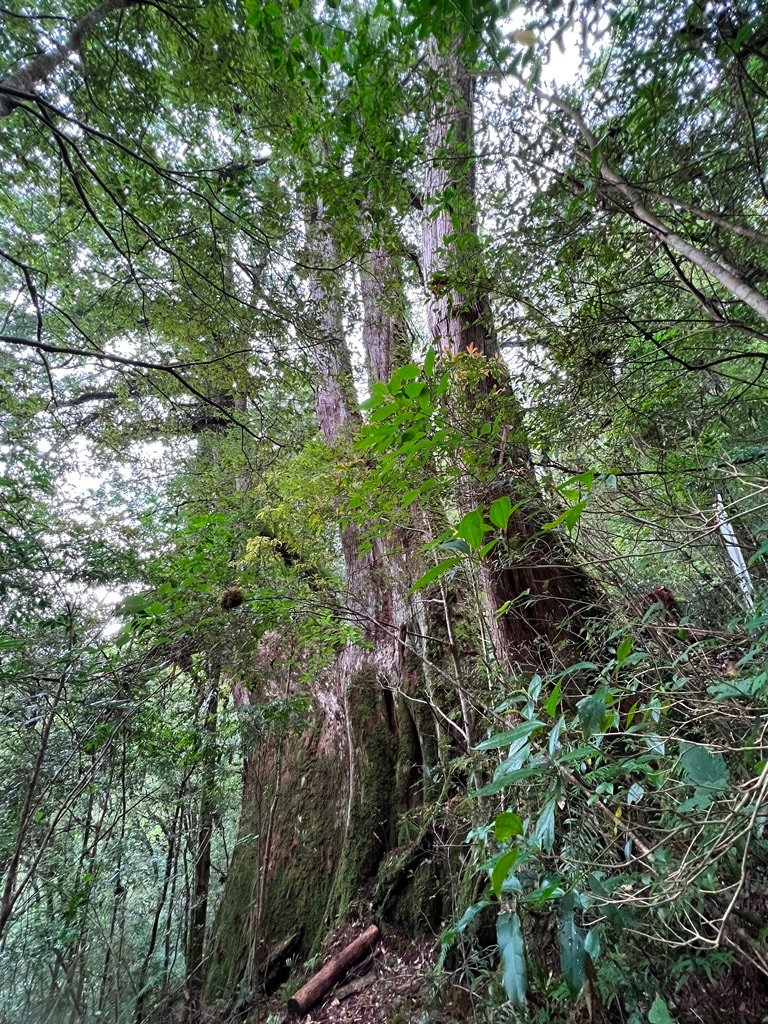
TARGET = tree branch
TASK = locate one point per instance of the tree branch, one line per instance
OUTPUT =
(34, 72)
(140, 364)
(735, 285)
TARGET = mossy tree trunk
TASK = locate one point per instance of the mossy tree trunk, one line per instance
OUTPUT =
(549, 599)
(320, 809)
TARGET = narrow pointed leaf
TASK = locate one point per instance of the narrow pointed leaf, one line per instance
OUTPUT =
(514, 973)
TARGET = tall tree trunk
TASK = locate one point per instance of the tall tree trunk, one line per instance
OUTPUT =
(546, 597)
(172, 835)
(198, 914)
(330, 809)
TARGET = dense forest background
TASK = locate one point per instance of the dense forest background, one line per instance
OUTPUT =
(383, 475)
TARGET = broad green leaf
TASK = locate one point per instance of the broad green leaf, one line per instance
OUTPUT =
(501, 869)
(500, 511)
(464, 921)
(544, 832)
(434, 573)
(623, 650)
(408, 372)
(471, 528)
(507, 780)
(659, 1012)
(514, 973)
(384, 412)
(553, 701)
(135, 604)
(429, 363)
(571, 939)
(569, 518)
(518, 753)
(591, 711)
(506, 825)
(579, 667)
(703, 768)
(455, 545)
(503, 739)
(592, 943)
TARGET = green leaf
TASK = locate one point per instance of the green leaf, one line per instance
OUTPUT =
(408, 372)
(544, 832)
(569, 518)
(703, 768)
(464, 922)
(455, 545)
(579, 667)
(8, 643)
(659, 1012)
(512, 949)
(571, 937)
(504, 739)
(429, 363)
(623, 650)
(434, 573)
(471, 528)
(506, 780)
(553, 701)
(500, 511)
(414, 389)
(592, 943)
(506, 825)
(591, 711)
(501, 869)
(136, 604)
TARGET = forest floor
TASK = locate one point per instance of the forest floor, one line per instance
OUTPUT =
(388, 987)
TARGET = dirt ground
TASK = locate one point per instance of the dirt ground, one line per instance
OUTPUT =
(387, 985)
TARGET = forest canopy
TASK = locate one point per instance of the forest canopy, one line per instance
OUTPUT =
(383, 476)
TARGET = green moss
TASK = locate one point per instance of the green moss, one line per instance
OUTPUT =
(372, 817)
(303, 855)
(317, 867)
(229, 946)
(306, 848)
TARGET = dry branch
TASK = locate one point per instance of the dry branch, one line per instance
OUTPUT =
(322, 982)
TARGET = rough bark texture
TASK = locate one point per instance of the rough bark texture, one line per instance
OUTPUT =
(551, 596)
(320, 810)
(385, 332)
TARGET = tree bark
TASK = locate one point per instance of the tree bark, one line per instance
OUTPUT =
(547, 597)
(202, 866)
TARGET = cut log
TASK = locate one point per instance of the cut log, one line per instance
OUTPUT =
(322, 982)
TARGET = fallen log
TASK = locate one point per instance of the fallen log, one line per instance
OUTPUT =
(322, 982)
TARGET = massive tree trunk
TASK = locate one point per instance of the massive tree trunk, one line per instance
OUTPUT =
(320, 809)
(547, 598)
